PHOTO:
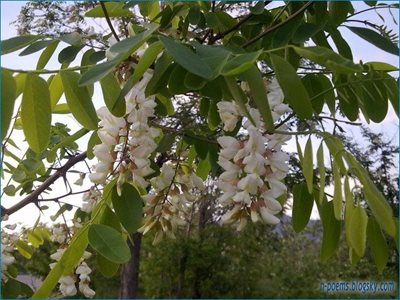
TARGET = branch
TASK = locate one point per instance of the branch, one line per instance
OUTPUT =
(291, 17)
(34, 196)
(103, 7)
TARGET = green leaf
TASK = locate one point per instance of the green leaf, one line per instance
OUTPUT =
(193, 82)
(213, 118)
(131, 44)
(328, 58)
(36, 113)
(194, 15)
(73, 38)
(114, 9)
(149, 8)
(358, 230)
(259, 95)
(109, 218)
(307, 165)
(16, 43)
(338, 11)
(331, 230)
(14, 289)
(214, 56)
(79, 100)
(125, 48)
(128, 206)
(176, 82)
(106, 267)
(187, 58)
(295, 93)
(377, 244)
(322, 171)
(98, 71)
(24, 249)
(203, 168)
(147, 60)
(68, 54)
(46, 55)
(376, 39)
(380, 66)
(349, 208)
(8, 95)
(20, 80)
(240, 63)
(34, 238)
(36, 46)
(376, 201)
(337, 194)
(109, 243)
(62, 108)
(93, 140)
(160, 74)
(238, 95)
(166, 143)
(258, 8)
(65, 207)
(374, 100)
(51, 156)
(302, 206)
(314, 88)
(111, 89)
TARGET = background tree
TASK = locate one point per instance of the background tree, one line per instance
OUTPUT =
(183, 85)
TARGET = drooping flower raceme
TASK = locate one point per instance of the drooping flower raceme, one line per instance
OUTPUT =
(254, 166)
(169, 200)
(68, 282)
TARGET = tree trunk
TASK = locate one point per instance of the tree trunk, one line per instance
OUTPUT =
(130, 270)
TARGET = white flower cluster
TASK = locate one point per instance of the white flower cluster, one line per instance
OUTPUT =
(253, 167)
(67, 283)
(90, 199)
(59, 233)
(169, 201)
(141, 135)
(111, 128)
(127, 141)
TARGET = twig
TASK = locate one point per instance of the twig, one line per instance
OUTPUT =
(34, 196)
(103, 7)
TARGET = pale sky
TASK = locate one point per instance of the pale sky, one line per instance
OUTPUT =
(361, 51)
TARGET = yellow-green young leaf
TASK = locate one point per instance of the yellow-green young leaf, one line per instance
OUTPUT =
(307, 165)
(302, 205)
(24, 249)
(8, 95)
(349, 208)
(61, 108)
(295, 93)
(299, 151)
(354, 258)
(65, 265)
(56, 90)
(79, 100)
(213, 117)
(20, 80)
(331, 229)
(46, 55)
(259, 95)
(36, 113)
(34, 238)
(146, 60)
(109, 242)
(128, 206)
(337, 192)
(322, 171)
(376, 201)
(377, 244)
(111, 89)
(358, 230)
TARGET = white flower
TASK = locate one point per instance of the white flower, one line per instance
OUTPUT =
(268, 217)
(255, 163)
(86, 290)
(67, 286)
(57, 255)
(229, 114)
(250, 183)
(242, 197)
